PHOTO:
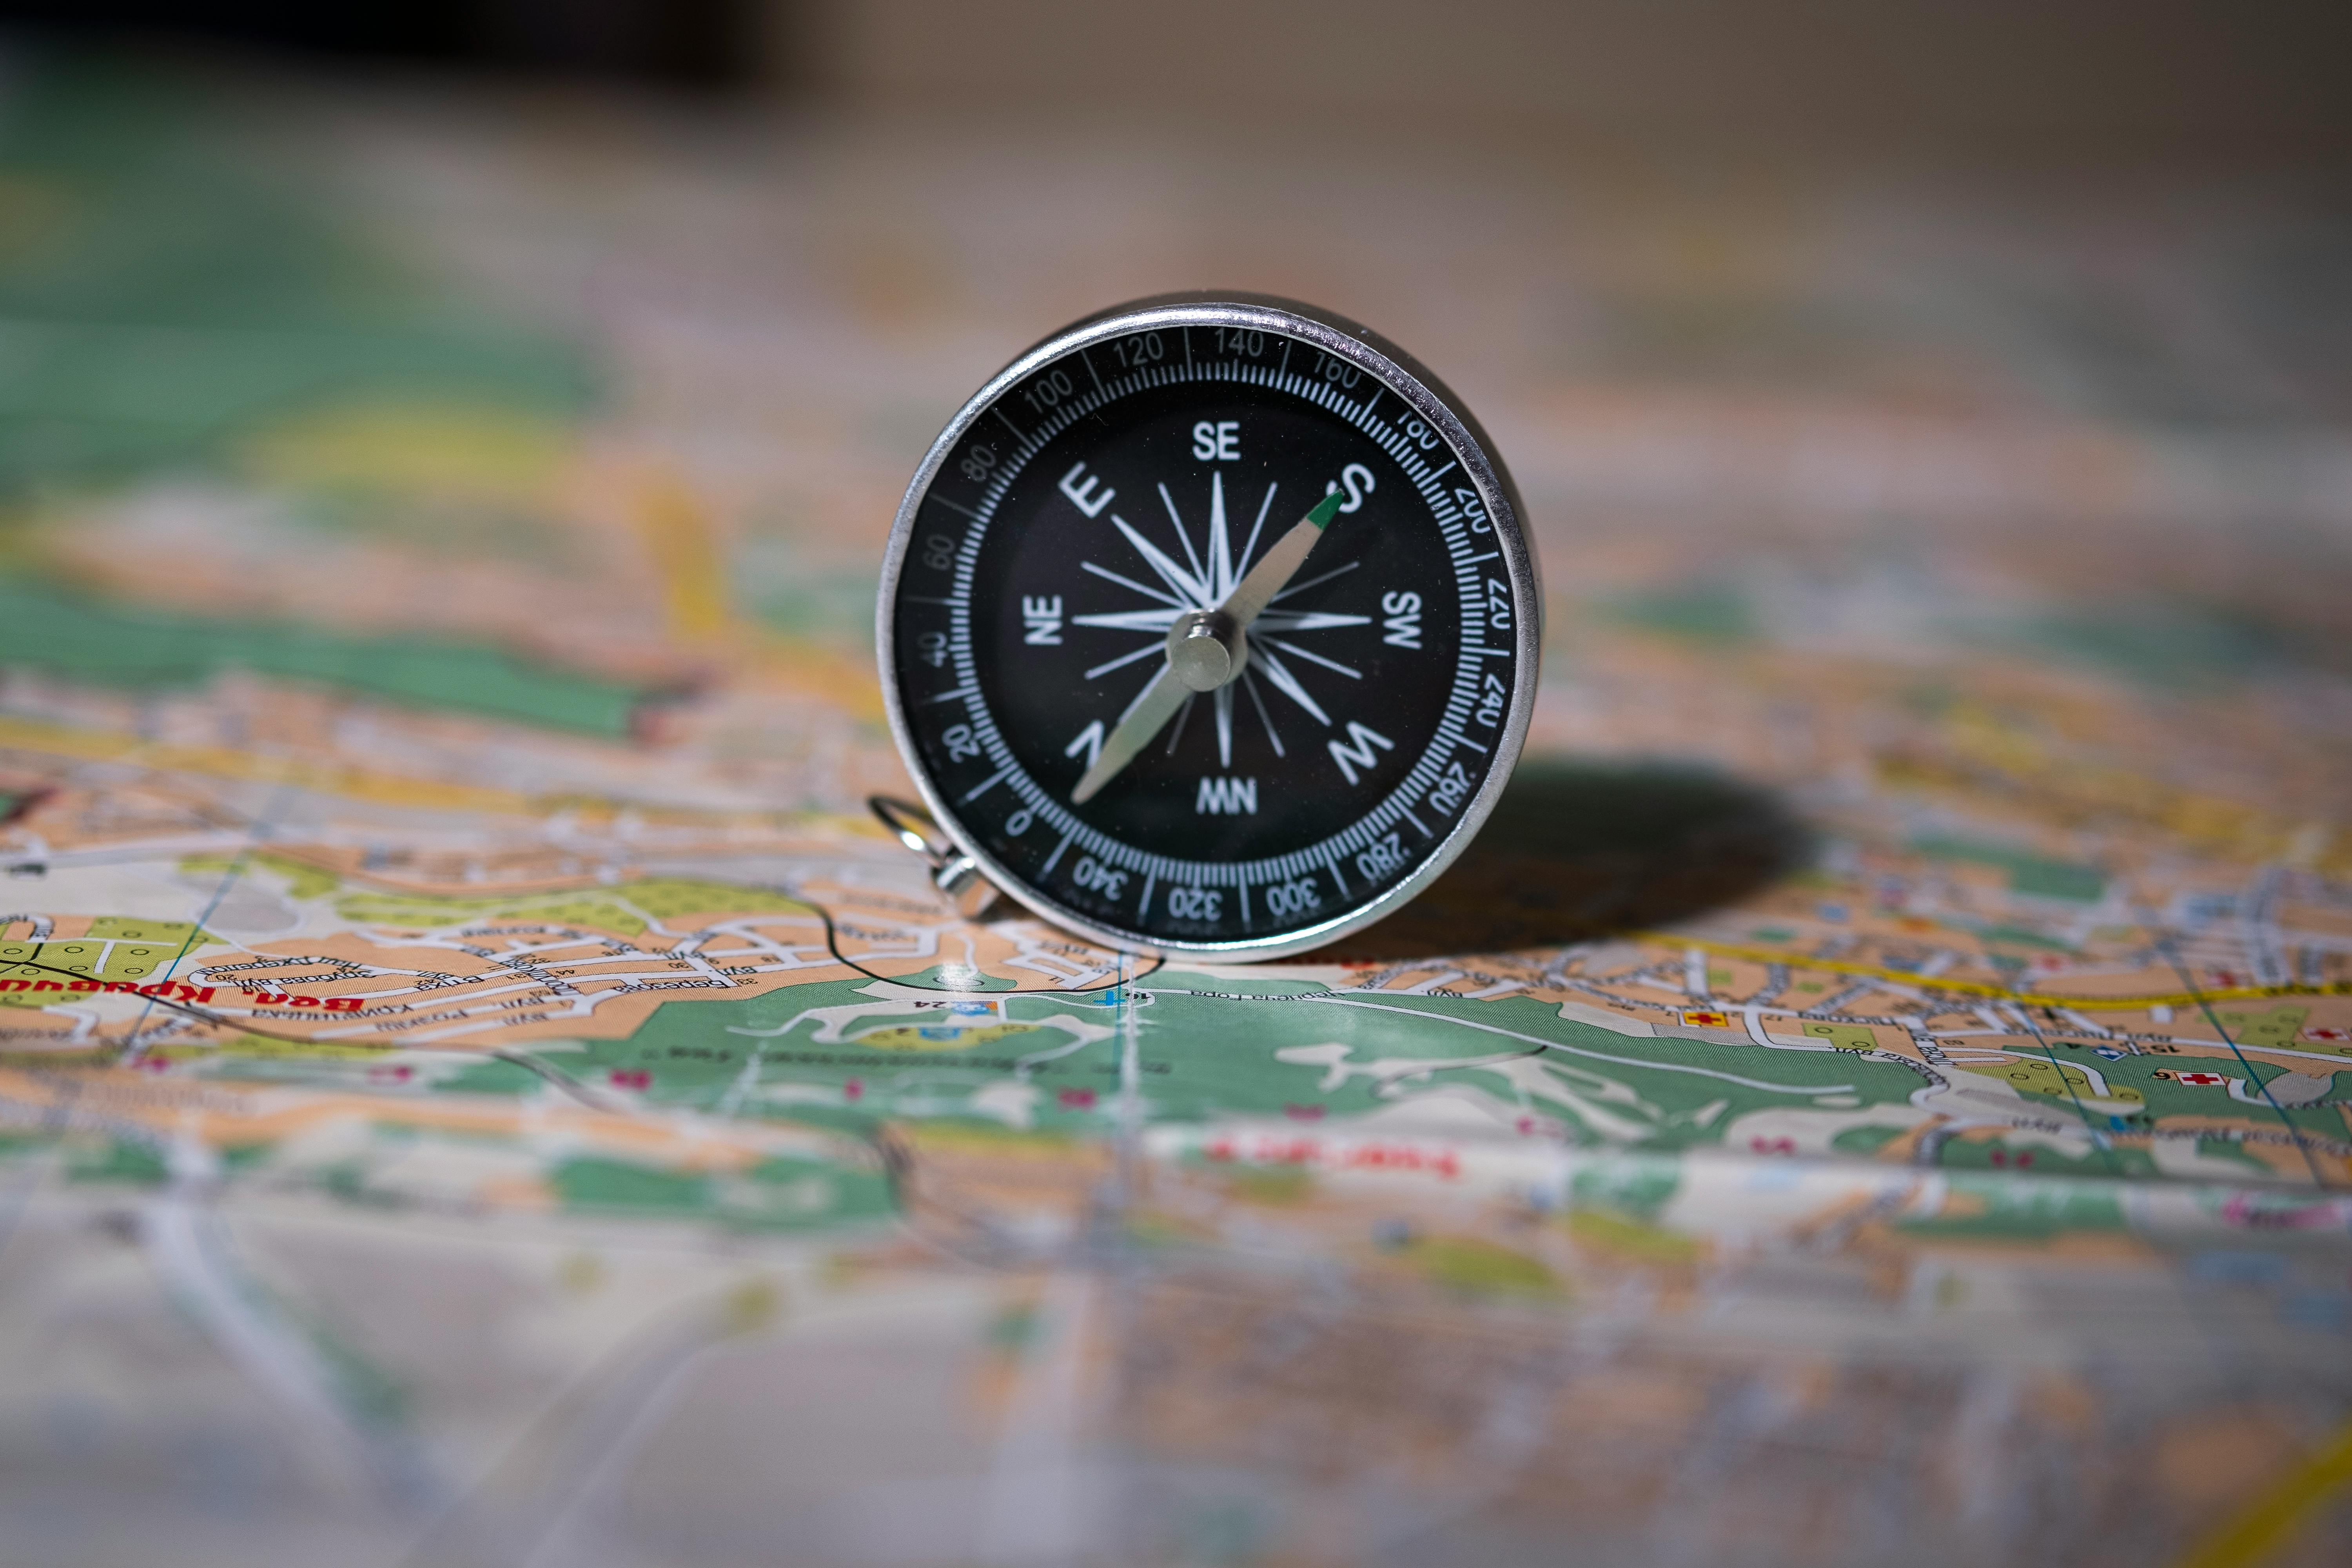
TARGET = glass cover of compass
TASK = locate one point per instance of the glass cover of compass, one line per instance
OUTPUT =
(1208, 625)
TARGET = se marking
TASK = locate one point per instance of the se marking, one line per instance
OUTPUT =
(1217, 442)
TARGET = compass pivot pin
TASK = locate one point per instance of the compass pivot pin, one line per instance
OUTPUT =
(1207, 648)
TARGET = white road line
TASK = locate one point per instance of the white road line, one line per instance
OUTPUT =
(1580, 1052)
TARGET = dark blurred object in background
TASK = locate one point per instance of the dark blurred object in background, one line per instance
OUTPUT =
(2002, 80)
(692, 44)
(1838, 80)
(2182, 82)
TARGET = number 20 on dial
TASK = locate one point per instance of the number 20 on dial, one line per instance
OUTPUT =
(1208, 625)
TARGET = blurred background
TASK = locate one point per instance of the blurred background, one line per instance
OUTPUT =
(2083, 80)
(1927, 332)
(479, 425)
(1818, 281)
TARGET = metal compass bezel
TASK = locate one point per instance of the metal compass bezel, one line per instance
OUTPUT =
(1428, 398)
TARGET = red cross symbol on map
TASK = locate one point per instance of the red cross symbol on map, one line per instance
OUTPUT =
(2328, 1034)
(2203, 1079)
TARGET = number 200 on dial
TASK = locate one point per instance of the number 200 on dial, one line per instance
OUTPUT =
(1208, 625)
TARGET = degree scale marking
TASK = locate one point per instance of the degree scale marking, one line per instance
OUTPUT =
(1416, 781)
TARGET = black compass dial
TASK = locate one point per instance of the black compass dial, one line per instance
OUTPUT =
(1364, 670)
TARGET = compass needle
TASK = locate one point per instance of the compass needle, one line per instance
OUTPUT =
(1249, 545)
(1280, 563)
(1176, 731)
(1189, 727)
(1153, 709)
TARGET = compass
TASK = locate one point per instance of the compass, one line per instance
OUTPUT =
(1208, 627)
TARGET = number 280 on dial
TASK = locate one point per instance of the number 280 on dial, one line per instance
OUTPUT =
(1208, 625)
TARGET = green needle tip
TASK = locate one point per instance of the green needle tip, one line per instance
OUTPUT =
(1327, 509)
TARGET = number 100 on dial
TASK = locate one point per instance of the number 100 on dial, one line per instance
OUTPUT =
(1208, 625)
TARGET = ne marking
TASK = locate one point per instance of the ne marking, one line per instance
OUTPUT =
(1051, 860)
(954, 506)
(1249, 546)
(1009, 424)
(959, 691)
(986, 785)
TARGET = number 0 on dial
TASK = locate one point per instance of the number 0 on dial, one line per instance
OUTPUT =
(1208, 625)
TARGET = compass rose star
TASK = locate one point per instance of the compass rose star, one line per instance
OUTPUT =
(1199, 580)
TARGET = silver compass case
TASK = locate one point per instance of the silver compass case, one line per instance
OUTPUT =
(1431, 401)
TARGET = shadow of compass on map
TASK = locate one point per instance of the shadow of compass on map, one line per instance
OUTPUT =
(1579, 850)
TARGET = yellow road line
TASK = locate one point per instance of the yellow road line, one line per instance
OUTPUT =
(2272, 1520)
(2003, 993)
(678, 529)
